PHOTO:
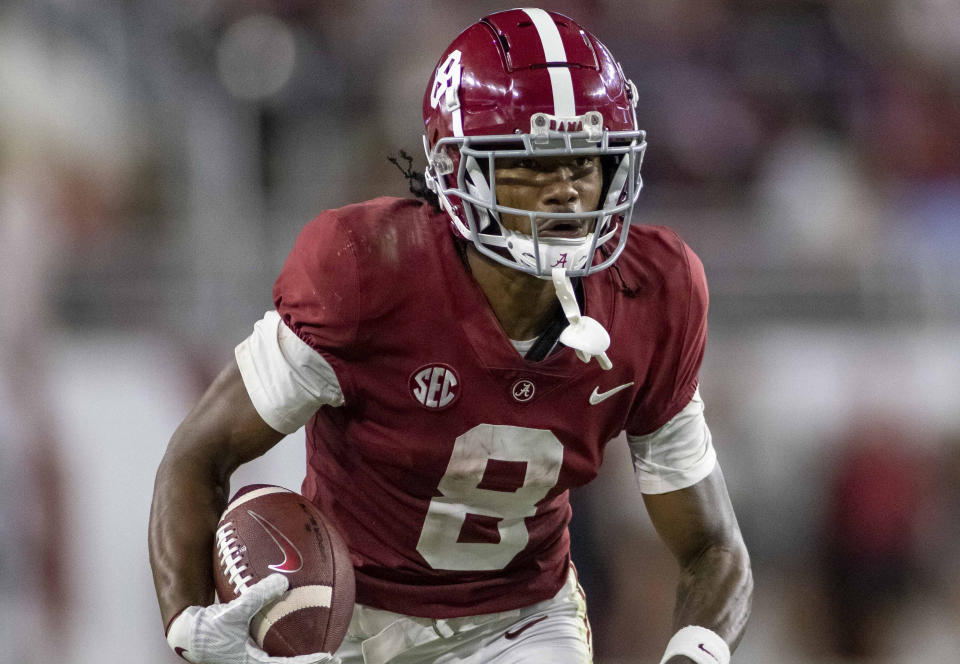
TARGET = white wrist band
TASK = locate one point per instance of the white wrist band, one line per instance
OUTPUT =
(699, 644)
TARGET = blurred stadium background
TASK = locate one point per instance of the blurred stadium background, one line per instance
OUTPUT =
(157, 160)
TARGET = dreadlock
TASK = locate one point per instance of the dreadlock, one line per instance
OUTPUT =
(415, 179)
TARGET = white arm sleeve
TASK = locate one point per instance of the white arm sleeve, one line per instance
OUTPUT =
(677, 455)
(286, 379)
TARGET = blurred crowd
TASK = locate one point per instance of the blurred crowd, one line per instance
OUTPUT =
(157, 160)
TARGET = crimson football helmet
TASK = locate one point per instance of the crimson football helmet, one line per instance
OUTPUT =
(531, 83)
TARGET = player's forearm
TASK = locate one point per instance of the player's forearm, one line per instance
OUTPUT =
(222, 432)
(189, 495)
(715, 591)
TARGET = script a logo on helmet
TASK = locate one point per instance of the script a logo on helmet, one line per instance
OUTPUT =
(435, 386)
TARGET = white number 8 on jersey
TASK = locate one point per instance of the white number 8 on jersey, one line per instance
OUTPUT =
(543, 454)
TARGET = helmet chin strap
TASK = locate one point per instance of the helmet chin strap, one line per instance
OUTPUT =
(584, 334)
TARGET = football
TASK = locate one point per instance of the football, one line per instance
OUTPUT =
(267, 529)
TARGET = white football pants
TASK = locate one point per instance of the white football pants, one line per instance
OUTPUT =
(554, 631)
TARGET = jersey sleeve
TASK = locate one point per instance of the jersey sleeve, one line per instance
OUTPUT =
(674, 376)
(294, 363)
(677, 455)
(286, 379)
(318, 294)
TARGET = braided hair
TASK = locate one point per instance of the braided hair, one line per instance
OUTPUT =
(415, 179)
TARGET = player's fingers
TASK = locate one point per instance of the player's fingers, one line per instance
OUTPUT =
(261, 593)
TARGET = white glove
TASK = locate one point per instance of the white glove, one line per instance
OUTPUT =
(220, 633)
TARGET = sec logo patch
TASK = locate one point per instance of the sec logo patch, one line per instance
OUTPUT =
(435, 386)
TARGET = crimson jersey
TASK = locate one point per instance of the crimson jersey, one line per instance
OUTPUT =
(449, 465)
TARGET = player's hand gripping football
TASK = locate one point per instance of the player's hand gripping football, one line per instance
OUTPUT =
(220, 634)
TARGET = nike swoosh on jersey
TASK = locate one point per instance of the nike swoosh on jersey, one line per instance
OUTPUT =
(517, 632)
(596, 397)
(292, 560)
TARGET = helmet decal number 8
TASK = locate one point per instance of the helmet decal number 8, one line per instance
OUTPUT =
(447, 82)
(462, 495)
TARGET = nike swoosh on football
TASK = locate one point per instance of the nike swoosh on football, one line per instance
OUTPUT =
(596, 397)
(517, 632)
(709, 653)
(180, 651)
(292, 560)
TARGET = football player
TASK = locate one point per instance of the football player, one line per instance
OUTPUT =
(459, 364)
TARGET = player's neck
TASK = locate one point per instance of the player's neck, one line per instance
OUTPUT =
(521, 302)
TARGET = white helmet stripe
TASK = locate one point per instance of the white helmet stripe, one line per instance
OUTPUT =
(560, 80)
(563, 105)
(456, 121)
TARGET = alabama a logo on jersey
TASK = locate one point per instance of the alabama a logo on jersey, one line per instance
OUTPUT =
(435, 386)
(523, 390)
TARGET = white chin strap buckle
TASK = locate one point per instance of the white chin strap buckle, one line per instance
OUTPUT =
(584, 334)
